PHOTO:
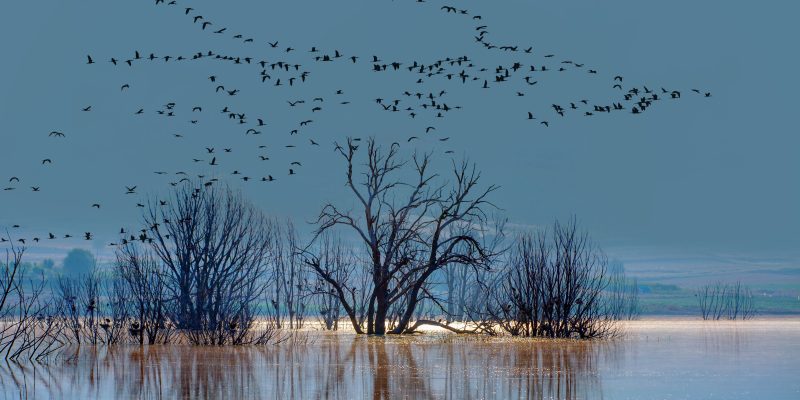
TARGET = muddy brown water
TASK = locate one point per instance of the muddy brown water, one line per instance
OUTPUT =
(656, 359)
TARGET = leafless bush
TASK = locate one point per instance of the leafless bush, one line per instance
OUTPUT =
(552, 286)
(80, 297)
(288, 280)
(27, 327)
(261, 332)
(66, 292)
(146, 286)
(212, 247)
(726, 301)
(115, 320)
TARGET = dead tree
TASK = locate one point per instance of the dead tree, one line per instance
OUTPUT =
(213, 249)
(553, 286)
(114, 321)
(730, 301)
(410, 229)
(28, 329)
(740, 303)
(146, 285)
(335, 257)
(9, 277)
(69, 294)
(288, 279)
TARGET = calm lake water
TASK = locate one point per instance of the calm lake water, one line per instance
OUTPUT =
(663, 359)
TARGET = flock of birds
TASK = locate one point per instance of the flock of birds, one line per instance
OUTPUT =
(276, 64)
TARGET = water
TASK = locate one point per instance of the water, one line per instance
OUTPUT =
(665, 359)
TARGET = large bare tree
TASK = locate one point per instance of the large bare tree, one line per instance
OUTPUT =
(410, 228)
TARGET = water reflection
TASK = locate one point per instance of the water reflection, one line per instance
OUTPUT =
(448, 367)
(337, 367)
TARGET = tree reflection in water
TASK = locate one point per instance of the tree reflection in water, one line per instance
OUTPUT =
(332, 366)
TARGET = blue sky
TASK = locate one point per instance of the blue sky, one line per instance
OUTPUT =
(718, 174)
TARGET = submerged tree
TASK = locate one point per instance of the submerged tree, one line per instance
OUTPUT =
(146, 285)
(725, 301)
(27, 327)
(409, 228)
(553, 285)
(288, 282)
(212, 249)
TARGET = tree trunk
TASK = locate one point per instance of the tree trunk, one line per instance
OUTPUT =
(380, 312)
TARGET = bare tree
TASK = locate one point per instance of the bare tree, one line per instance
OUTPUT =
(410, 229)
(720, 300)
(553, 286)
(341, 263)
(288, 281)
(146, 284)
(9, 276)
(213, 249)
(69, 293)
(117, 311)
(27, 327)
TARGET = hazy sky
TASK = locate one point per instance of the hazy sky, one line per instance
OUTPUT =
(719, 174)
